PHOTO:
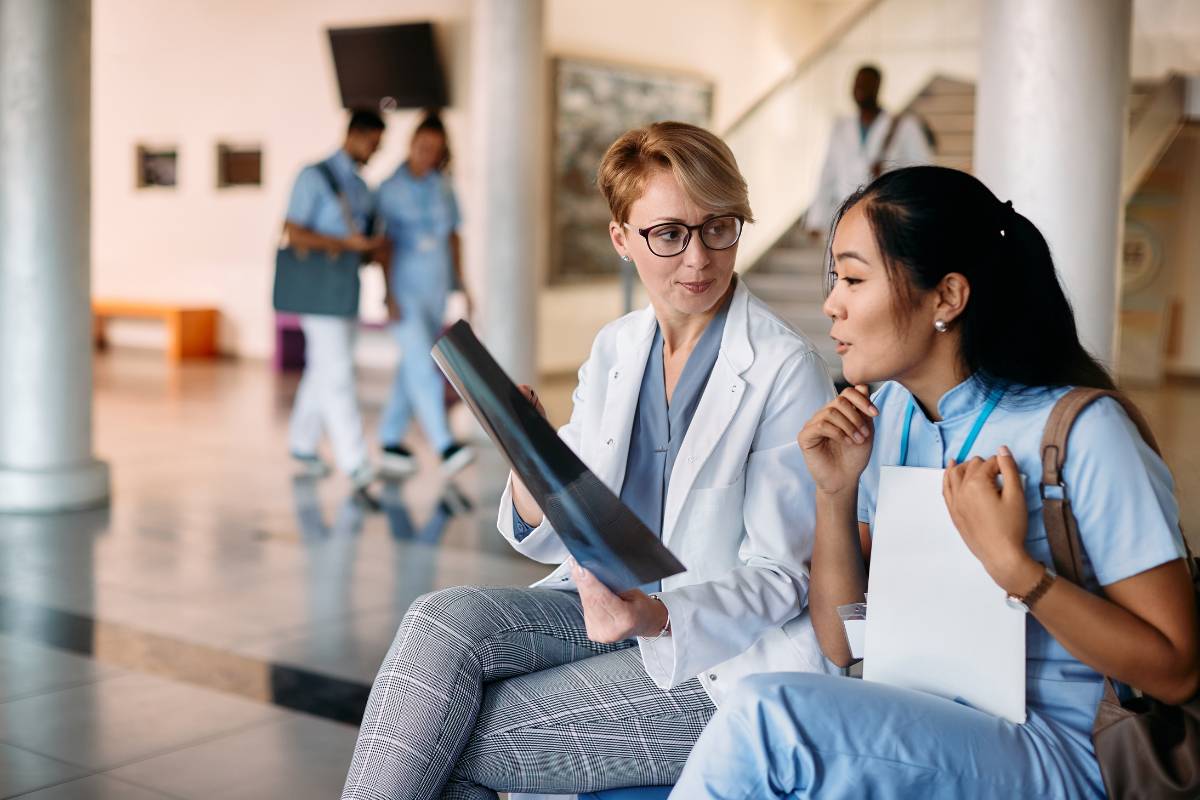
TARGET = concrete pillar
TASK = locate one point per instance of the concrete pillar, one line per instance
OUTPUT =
(507, 114)
(46, 460)
(1050, 127)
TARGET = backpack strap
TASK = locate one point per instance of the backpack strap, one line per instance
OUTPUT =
(1062, 530)
(347, 215)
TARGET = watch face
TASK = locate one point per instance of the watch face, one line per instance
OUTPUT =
(1016, 604)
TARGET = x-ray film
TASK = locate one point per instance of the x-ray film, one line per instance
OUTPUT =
(597, 528)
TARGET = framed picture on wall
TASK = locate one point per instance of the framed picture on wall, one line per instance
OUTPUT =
(594, 103)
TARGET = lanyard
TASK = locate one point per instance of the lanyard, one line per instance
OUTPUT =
(993, 400)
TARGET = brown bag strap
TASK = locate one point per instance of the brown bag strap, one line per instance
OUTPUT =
(1062, 529)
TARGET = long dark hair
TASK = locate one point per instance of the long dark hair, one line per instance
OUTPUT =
(1017, 329)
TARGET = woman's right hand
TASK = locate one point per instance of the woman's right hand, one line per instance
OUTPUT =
(837, 441)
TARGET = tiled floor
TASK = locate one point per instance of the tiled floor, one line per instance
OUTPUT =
(203, 637)
(212, 633)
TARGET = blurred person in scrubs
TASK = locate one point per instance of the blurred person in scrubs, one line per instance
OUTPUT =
(420, 214)
(332, 209)
(862, 147)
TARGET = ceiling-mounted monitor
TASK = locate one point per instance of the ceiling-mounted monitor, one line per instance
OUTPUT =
(388, 66)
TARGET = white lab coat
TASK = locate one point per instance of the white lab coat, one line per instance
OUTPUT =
(739, 511)
(848, 160)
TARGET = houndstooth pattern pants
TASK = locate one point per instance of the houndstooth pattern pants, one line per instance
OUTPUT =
(499, 689)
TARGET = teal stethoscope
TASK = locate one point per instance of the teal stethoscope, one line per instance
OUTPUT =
(993, 400)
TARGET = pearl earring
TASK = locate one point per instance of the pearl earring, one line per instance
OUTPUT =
(940, 325)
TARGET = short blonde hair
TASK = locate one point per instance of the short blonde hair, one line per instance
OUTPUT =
(703, 165)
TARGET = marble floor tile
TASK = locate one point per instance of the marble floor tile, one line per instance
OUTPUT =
(29, 668)
(97, 787)
(295, 758)
(22, 771)
(112, 722)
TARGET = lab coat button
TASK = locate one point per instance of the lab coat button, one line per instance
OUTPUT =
(609, 443)
(712, 676)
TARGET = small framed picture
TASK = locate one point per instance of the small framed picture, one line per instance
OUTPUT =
(238, 165)
(155, 166)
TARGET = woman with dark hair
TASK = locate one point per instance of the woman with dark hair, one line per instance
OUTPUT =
(420, 213)
(951, 297)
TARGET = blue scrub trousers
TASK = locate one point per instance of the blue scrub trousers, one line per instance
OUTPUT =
(418, 383)
(799, 735)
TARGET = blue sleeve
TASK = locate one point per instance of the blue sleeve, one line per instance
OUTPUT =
(521, 528)
(1122, 495)
(305, 198)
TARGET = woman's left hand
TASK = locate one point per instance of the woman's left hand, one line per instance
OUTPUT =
(613, 617)
(991, 519)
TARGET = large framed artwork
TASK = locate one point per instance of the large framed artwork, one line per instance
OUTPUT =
(594, 103)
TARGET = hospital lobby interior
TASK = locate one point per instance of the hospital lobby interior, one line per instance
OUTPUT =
(183, 613)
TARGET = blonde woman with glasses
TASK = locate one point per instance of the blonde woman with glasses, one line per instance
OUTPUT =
(688, 409)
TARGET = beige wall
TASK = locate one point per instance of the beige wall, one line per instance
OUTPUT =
(191, 73)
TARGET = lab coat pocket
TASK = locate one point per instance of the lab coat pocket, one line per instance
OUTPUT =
(710, 530)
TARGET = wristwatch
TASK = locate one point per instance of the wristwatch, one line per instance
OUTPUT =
(1025, 603)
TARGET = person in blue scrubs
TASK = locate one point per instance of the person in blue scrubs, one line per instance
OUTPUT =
(950, 297)
(320, 218)
(421, 218)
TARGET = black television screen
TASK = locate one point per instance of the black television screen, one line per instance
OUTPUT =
(389, 66)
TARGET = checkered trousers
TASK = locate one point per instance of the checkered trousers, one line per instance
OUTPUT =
(499, 689)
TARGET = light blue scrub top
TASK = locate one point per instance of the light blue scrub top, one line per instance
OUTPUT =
(312, 205)
(1122, 495)
(419, 214)
(658, 429)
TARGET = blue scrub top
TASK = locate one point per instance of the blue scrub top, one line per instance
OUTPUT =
(314, 206)
(419, 214)
(1121, 492)
(658, 429)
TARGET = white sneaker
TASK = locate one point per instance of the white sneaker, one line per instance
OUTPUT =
(397, 461)
(311, 466)
(363, 476)
(455, 457)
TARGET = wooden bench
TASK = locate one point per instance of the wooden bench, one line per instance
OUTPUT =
(191, 331)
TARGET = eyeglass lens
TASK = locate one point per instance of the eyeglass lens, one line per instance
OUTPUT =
(671, 239)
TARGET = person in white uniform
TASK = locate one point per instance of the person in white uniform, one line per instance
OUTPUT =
(862, 147)
(326, 400)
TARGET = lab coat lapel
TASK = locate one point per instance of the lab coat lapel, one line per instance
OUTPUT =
(621, 398)
(722, 396)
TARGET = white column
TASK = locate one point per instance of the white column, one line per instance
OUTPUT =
(46, 460)
(507, 117)
(1050, 128)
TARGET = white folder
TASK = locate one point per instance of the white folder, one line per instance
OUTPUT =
(936, 621)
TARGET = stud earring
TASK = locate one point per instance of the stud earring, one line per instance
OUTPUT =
(625, 258)
(940, 325)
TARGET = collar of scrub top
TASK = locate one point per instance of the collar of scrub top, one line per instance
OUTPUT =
(989, 405)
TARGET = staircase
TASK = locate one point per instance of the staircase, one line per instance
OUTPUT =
(789, 276)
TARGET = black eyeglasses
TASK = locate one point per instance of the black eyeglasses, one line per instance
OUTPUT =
(669, 239)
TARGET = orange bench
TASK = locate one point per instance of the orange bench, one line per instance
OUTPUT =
(191, 331)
